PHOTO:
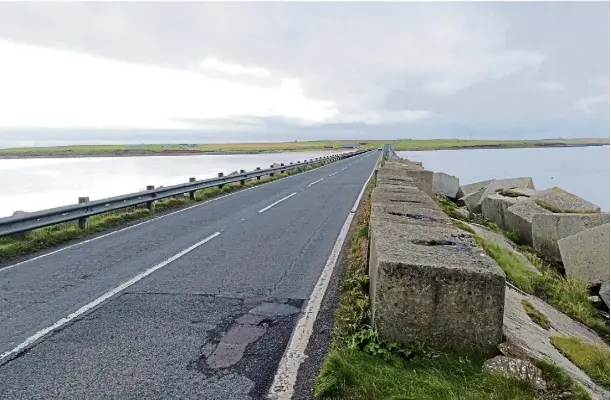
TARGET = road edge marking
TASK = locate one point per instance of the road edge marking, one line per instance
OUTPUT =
(283, 385)
(43, 332)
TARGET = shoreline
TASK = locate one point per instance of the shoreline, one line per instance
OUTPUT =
(178, 153)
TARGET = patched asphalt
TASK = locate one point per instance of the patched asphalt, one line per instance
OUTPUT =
(212, 324)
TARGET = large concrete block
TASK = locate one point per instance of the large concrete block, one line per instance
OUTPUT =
(547, 229)
(397, 180)
(604, 292)
(562, 201)
(494, 208)
(435, 182)
(465, 190)
(408, 213)
(512, 183)
(406, 195)
(432, 284)
(405, 165)
(585, 255)
(519, 218)
(445, 184)
(472, 199)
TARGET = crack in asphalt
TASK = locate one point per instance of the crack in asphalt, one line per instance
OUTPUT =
(301, 252)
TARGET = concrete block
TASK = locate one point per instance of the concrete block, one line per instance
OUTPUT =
(404, 165)
(562, 201)
(604, 292)
(511, 183)
(519, 218)
(407, 213)
(434, 182)
(585, 255)
(472, 200)
(465, 190)
(397, 180)
(409, 195)
(494, 208)
(431, 283)
(547, 229)
(445, 184)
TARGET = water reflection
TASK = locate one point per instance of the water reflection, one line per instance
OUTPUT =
(35, 184)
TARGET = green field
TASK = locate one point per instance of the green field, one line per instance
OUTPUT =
(439, 144)
(249, 148)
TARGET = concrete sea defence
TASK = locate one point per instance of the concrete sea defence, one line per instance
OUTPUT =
(431, 283)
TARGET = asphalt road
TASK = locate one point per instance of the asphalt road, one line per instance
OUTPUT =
(197, 304)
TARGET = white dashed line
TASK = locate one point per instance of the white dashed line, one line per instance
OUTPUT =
(343, 169)
(279, 201)
(335, 173)
(101, 299)
(315, 182)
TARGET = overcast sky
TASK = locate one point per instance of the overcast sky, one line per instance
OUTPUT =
(283, 71)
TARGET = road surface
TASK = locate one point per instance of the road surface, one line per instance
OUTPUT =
(197, 304)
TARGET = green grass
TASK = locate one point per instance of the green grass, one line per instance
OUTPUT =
(152, 149)
(548, 206)
(449, 207)
(592, 359)
(510, 193)
(351, 374)
(438, 144)
(45, 238)
(535, 315)
(568, 295)
(462, 225)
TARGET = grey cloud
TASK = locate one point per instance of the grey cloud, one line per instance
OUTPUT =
(463, 62)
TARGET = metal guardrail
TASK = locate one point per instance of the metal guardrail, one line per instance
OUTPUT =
(39, 219)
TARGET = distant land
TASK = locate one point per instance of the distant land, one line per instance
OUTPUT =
(274, 147)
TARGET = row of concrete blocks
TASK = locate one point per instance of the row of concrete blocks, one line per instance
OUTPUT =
(429, 281)
(549, 221)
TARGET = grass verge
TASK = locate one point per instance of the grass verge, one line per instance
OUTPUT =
(360, 365)
(462, 225)
(48, 237)
(592, 359)
(568, 295)
(535, 315)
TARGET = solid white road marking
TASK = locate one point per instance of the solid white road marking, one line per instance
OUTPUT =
(103, 298)
(279, 201)
(2, 269)
(315, 182)
(282, 387)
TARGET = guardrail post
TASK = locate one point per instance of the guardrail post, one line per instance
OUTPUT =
(243, 181)
(271, 166)
(83, 223)
(258, 169)
(192, 193)
(150, 204)
(220, 175)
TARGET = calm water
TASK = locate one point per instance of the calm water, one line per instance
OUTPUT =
(36, 184)
(580, 170)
